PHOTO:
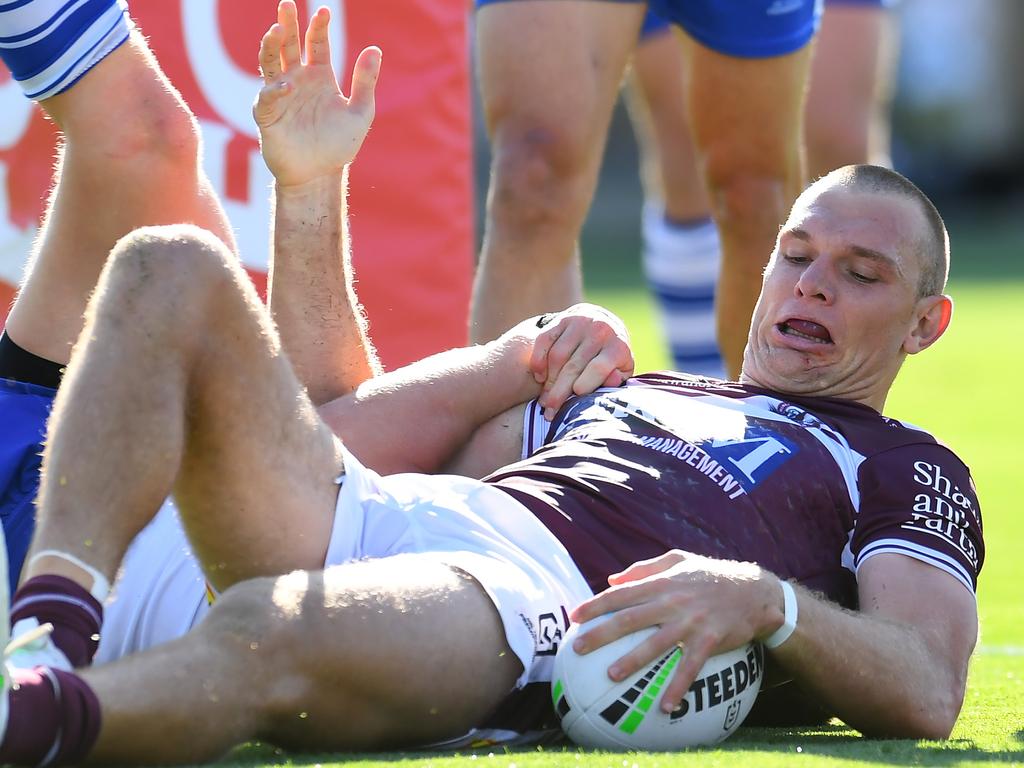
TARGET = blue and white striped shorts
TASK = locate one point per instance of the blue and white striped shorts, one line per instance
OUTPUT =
(50, 44)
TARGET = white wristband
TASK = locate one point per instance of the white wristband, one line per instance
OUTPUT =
(781, 635)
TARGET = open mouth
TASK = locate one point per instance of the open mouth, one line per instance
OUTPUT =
(805, 329)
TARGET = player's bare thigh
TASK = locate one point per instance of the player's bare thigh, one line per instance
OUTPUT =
(378, 654)
(256, 483)
(400, 651)
(192, 368)
(553, 68)
(549, 75)
(850, 87)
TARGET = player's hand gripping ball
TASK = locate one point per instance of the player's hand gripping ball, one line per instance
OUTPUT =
(596, 711)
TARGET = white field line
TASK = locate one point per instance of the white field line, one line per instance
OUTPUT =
(1000, 650)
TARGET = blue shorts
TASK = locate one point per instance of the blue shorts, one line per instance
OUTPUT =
(24, 409)
(745, 28)
(656, 25)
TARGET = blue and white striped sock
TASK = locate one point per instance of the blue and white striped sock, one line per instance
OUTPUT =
(681, 263)
(50, 44)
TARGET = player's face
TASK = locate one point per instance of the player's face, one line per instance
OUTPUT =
(839, 308)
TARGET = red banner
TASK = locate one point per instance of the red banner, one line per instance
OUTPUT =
(411, 196)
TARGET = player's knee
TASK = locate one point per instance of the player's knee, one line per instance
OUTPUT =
(539, 180)
(834, 145)
(157, 137)
(265, 622)
(130, 121)
(171, 261)
(746, 203)
(250, 633)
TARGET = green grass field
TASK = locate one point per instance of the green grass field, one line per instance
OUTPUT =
(965, 391)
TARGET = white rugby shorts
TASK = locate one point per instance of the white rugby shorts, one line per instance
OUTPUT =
(159, 593)
(476, 528)
(464, 523)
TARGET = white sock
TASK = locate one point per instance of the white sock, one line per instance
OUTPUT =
(100, 584)
(681, 265)
(31, 646)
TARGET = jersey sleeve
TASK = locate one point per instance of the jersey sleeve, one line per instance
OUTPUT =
(919, 500)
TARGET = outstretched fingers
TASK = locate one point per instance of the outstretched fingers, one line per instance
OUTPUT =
(318, 42)
(288, 18)
(270, 54)
(364, 79)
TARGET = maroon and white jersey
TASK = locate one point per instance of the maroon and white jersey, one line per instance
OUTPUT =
(809, 488)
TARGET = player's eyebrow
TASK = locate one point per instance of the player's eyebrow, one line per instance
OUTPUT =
(856, 250)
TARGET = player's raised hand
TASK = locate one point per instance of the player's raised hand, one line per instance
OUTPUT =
(308, 128)
(580, 349)
(707, 606)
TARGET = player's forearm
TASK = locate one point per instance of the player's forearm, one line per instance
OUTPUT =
(879, 676)
(415, 418)
(311, 295)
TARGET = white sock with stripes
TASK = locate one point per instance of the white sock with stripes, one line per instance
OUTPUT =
(681, 264)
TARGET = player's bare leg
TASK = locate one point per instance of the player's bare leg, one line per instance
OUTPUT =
(850, 93)
(656, 99)
(680, 239)
(130, 157)
(747, 123)
(382, 654)
(180, 381)
(549, 75)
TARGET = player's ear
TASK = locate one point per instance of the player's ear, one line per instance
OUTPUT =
(932, 315)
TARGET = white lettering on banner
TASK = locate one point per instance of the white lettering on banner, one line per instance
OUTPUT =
(16, 111)
(250, 218)
(229, 89)
(15, 242)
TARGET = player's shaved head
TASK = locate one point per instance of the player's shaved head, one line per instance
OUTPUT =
(931, 244)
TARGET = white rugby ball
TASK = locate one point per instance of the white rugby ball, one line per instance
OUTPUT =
(596, 711)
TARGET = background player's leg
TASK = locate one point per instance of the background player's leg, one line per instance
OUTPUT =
(179, 378)
(549, 75)
(380, 654)
(747, 119)
(680, 240)
(851, 88)
(130, 157)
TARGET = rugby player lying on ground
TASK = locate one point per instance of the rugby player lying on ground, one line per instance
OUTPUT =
(126, 135)
(389, 579)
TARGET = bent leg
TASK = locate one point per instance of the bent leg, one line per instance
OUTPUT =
(179, 380)
(549, 75)
(130, 157)
(380, 654)
(848, 100)
(747, 117)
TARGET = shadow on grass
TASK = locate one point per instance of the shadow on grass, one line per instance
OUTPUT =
(835, 741)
